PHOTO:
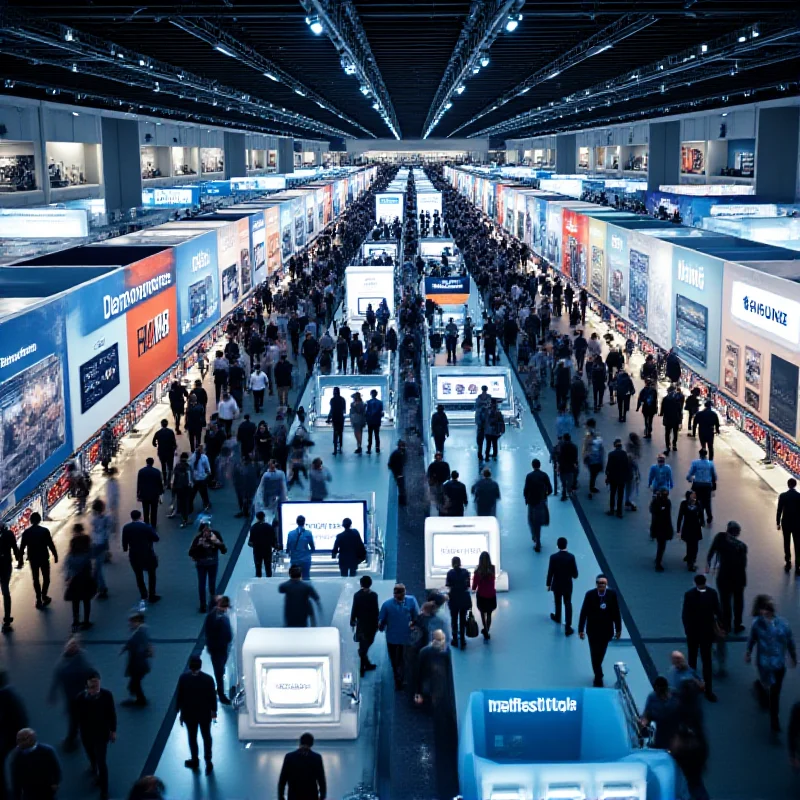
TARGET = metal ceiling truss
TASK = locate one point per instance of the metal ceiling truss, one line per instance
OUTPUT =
(483, 25)
(727, 55)
(135, 108)
(343, 27)
(64, 47)
(229, 45)
(603, 40)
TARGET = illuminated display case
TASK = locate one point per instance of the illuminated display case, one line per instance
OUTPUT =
(212, 160)
(457, 388)
(17, 167)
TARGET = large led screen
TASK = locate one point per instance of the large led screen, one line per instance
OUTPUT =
(324, 520)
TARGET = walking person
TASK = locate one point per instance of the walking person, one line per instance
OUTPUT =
(201, 474)
(395, 618)
(204, 551)
(8, 552)
(771, 637)
(97, 722)
(625, 390)
(227, 411)
(13, 718)
(137, 540)
(647, 403)
(788, 521)
(703, 477)
(336, 415)
(593, 455)
(536, 491)
(440, 428)
(671, 414)
(731, 554)
(660, 476)
(483, 584)
(349, 548)
(37, 540)
(459, 601)
(690, 527)
(561, 571)
(692, 406)
(617, 473)
(177, 403)
(566, 467)
(257, 383)
(364, 621)
(661, 524)
(182, 488)
(482, 404)
(149, 488)
(706, 422)
(245, 483)
(71, 672)
(264, 541)
(438, 473)
(454, 497)
(303, 773)
(494, 428)
(196, 704)
(300, 546)
(246, 437)
(319, 476)
(601, 621)
(33, 768)
(166, 446)
(219, 635)
(700, 617)
(358, 419)
(374, 415)
(396, 465)
(140, 651)
(80, 582)
(633, 447)
(283, 380)
(486, 492)
(297, 608)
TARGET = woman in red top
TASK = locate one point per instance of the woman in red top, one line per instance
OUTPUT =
(483, 586)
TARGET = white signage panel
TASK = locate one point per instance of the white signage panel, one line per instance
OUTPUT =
(429, 201)
(388, 206)
(43, 223)
(467, 546)
(324, 519)
(326, 394)
(364, 285)
(775, 315)
(463, 388)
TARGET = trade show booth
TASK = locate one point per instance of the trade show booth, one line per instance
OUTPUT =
(557, 744)
(456, 388)
(370, 250)
(368, 285)
(348, 385)
(389, 205)
(465, 537)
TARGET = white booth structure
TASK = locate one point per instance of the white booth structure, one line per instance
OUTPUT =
(382, 247)
(365, 285)
(465, 537)
(457, 388)
(389, 205)
(348, 385)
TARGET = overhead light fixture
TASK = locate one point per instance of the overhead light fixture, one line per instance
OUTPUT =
(272, 77)
(448, 105)
(75, 113)
(364, 89)
(476, 69)
(703, 48)
(68, 35)
(553, 75)
(376, 105)
(742, 39)
(300, 92)
(142, 62)
(460, 89)
(315, 25)
(755, 33)
(513, 21)
(724, 113)
(157, 88)
(74, 67)
(224, 50)
(600, 48)
(525, 90)
(485, 59)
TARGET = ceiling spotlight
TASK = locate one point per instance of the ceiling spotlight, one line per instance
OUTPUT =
(755, 33)
(272, 77)
(553, 75)
(68, 35)
(75, 113)
(224, 50)
(300, 92)
(9, 84)
(513, 21)
(460, 89)
(142, 62)
(484, 59)
(703, 48)
(742, 39)
(376, 105)
(364, 89)
(476, 69)
(74, 67)
(600, 48)
(157, 88)
(448, 105)
(525, 90)
(315, 25)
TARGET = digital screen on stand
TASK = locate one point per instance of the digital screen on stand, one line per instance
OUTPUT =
(463, 388)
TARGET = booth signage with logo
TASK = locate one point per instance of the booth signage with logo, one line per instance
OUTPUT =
(447, 291)
(389, 206)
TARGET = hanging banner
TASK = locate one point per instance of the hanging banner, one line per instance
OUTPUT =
(448, 291)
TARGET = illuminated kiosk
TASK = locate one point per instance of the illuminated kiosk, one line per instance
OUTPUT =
(348, 385)
(379, 248)
(367, 284)
(560, 744)
(465, 537)
(456, 388)
(296, 679)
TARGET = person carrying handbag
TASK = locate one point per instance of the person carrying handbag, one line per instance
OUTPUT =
(459, 601)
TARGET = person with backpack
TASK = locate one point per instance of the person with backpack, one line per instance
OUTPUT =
(300, 546)
(648, 405)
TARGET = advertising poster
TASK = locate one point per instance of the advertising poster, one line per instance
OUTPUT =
(429, 201)
(183, 197)
(343, 184)
(618, 268)
(639, 278)
(336, 197)
(447, 291)
(752, 369)
(597, 257)
(693, 158)
(465, 388)
(299, 214)
(783, 395)
(365, 285)
(228, 264)
(499, 204)
(575, 238)
(198, 288)
(324, 520)
(287, 237)
(245, 255)
(34, 398)
(509, 213)
(539, 230)
(388, 206)
(554, 234)
(659, 322)
(697, 278)
(528, 235)
(97, 346)
(258, 237)
(273, 222)
(731, 367)
(152, 323)
(319, 201)
(327, 204)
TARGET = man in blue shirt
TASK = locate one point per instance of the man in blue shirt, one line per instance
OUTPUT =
(703, 478)
(374, 415)
(395, 619)
(300, 546)
(660, 476)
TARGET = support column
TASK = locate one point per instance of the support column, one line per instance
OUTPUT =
(566, 154)
(777, 153)
(122, 171)
(235, 158)
(285, 156)
(664, 157)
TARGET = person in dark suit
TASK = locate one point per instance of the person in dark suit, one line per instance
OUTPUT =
(708, 423)
(788, 520)
(246, 436)
(137, 541)
(561, 571)
(39, 544)
(364, 618)
(13, 717)
(196, 703)
(459, 601)
(601, 621)
(537, 488)
(349, 548)
(166, 444)
(8, 552)
(33, 769)
(263, 540)
(454, 497)
(303, 772)
(336, 415)
(618, 470)
(700, 615)
(149, 488)
(97, 722)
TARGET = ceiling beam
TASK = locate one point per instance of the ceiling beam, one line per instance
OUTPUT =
(343, 27)
(482, 26)
(603, 40)
(229, 45)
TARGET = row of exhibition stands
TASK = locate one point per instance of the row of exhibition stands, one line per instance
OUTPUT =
(97, 333)
(729, 306)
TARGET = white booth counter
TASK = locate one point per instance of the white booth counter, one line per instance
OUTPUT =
(457, 388)
(465, 537)
(348, 385)
(366, 284)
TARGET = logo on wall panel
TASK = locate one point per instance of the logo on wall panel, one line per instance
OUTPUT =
(150, 334)
(690, 275)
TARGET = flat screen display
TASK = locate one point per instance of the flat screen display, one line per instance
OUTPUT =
(465, 388)
(324, 519)
(99, 376)
(467, 546)
(293, 686)
(691, 329)
(783, 395)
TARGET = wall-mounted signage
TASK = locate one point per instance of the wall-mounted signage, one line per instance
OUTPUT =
(778, 316)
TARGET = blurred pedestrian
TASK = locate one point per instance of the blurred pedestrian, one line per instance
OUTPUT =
(219, 635)
(196, 704)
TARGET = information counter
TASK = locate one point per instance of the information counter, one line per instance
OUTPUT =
(557, 744)
(348, 385)
(465, 537)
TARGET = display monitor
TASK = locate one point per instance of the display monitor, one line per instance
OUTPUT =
(467, 545)
(326, 394)
(464, 388)
(99, 376)
(292, 686)
(324, 519)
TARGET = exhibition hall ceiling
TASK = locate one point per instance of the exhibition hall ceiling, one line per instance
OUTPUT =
(60, 50)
